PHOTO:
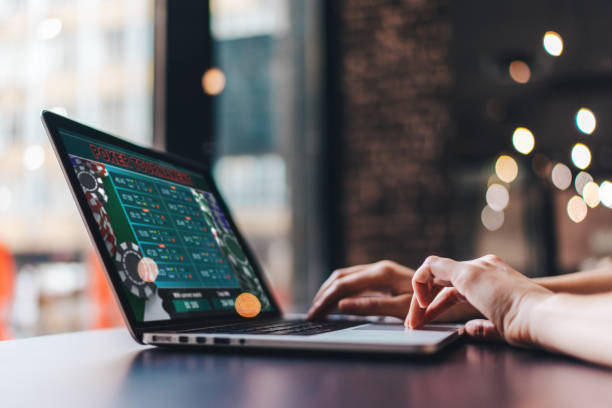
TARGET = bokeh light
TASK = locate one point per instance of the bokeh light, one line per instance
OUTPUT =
(519, 71)
(581, 180)
(590, 194)
(497, 197)
(523, 140)
(581, 156)
(213, 81)
(491, 219)
(585, 121)
(33, 157)
(553, 43)
(49, 28)
(561, 176)
(605, 193)
(576, 209)
(506, 168)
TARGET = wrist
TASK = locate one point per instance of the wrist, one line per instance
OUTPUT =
(542, 312)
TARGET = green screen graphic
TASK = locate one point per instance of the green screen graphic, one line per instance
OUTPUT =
(174, 250)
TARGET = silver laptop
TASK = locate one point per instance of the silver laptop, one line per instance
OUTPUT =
(180, 269)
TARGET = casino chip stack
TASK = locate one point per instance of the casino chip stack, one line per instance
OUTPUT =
(229, 246)
(90, 176)
(103, 221)
(127, 257)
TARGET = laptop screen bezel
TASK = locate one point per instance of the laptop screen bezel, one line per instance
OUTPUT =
(53, 123)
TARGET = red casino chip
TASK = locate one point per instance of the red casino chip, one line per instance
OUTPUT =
(91, 181)
(103, 221)
(96, 167)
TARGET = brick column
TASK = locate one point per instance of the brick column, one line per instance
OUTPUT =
(395, 82)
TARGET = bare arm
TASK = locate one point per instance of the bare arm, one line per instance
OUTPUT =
(516, 308)
(578, 325)
(587, 282)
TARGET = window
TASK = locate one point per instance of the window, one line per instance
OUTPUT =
(91, 61)
(266, 96)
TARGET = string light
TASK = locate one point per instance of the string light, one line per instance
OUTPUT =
(581, 180)
(506, 168)
(585, 121)
(491, 219)
(497, 197)
(553, 43)
(561, 176)
(576, 209)
(523, 140)
(605, 193)
(590, 194)
(581, 156)
(519, 71)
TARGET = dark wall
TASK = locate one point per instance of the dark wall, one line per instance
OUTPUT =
(392, 81)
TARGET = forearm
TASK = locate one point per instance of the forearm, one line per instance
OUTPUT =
(588, 282)
(578, 325)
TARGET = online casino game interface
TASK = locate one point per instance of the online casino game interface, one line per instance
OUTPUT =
(173, 248)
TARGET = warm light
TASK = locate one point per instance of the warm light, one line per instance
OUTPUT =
(213, 81)
(581, 180)
(49, 28)
(585, 120)
(561, 176)
(506, 169)
(523, 140)
(581, 156)
(33, 157)
(553, 43)
(497, 197)
(590, 194)
(576, 209)
(491, 219)
(605, 193)
(6, 198)
(519, 71)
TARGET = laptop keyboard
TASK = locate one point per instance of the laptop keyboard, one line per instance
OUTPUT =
(283, 327)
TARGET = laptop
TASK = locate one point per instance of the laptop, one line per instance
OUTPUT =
(180, 269)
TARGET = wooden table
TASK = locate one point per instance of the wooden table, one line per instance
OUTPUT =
(107, 368)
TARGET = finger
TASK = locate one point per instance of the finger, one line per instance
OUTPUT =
(446, 299)
(348, 286)
(434, 272)
(337, 274)
(482, 329)
(416, 315)
(396, 306)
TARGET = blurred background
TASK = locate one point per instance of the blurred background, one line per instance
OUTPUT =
(340, 132)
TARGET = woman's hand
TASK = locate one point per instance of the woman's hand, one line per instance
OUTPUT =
(345, 289)
(504, 296)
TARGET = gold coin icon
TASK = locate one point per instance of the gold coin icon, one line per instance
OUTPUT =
(247, 305)
(147, 270)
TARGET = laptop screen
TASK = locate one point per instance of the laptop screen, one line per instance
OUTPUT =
(174, 249)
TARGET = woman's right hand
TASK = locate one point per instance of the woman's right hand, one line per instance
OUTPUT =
(504, 296)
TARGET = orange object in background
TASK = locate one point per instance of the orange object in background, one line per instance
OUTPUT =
(106, 311)
(7, 287)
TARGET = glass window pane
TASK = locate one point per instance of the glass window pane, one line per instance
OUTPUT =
(90, 60)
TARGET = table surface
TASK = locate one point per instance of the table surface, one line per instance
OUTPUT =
(107, 368)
